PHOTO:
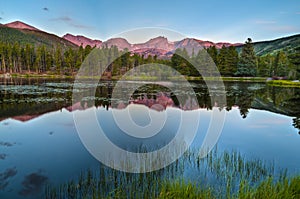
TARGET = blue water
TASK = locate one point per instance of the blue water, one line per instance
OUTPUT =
(40, 145)
(49, 146)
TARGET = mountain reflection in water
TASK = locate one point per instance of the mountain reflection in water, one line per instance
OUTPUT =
(25, 99)
(39, 143)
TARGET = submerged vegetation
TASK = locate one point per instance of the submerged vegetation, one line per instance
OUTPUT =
(218, 175)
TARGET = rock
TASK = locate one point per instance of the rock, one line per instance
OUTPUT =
(7, 75)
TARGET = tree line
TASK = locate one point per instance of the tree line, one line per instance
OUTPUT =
(246, 64)
(16, 58)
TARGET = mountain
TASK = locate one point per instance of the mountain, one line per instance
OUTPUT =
(160, 53)
(20, 25)
(121, 43)
(160, 42)
(25, 34)
(286, 44)
(159, 46)
(226, 44)
(82, 40)
(191, 45)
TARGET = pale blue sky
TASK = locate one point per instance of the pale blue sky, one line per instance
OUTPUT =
(230, 20)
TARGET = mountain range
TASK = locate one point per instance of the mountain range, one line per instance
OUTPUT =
(23, 33)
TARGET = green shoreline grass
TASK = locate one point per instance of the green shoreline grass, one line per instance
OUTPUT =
(279, 83)
(219, 175)
(283, 83)
(288, 189)
(179, 189)
(45, 75)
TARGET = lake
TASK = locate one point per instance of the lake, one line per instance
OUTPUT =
(40, 143)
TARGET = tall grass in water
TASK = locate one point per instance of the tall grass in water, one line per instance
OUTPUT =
(218, 175)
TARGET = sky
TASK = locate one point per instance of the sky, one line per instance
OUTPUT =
(214, 20)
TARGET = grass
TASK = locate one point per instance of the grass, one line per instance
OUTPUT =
(218, 175)
(141, 78)
(44, 75)
(283, 83)
(227, 79)
(269, 189)
(181, 189)
(288, 189)
(245, 79)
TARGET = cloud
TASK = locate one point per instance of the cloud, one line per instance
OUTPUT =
(297, 13)
(46, 9)
(81, 26)
(276, 27)
(286, 28)
(264, 22)
(257, 126)
(71, 22)
(63, 18)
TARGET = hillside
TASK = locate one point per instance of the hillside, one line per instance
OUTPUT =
(23, 33)
(286, 44)
(31, 36)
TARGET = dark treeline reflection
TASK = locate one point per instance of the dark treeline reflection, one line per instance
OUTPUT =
(28, 98)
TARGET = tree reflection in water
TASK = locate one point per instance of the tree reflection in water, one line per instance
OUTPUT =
(26, 98)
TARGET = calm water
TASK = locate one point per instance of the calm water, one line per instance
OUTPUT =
(39, 143)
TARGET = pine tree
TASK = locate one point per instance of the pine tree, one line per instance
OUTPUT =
(247, 63)
(227, 60)
(222, 61)
(204, 63)
(280, 64)
(9, 58)
(176, 59)
(232, 61)
(2, 58)
(58, 59)
(69, 59)
(49, 61)
(294, 58)
(265, 66)
(213, 52)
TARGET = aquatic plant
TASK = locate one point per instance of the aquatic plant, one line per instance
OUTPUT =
(218, 175)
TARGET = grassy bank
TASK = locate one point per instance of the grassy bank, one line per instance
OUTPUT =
(283, 83)
(230, 79)
(288, 188)
(218, 175)
(142, 78)
(41, 75)
(266, 189)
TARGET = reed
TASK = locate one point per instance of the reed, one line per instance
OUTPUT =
(218, 175)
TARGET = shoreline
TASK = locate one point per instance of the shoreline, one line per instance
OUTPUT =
(279, 83)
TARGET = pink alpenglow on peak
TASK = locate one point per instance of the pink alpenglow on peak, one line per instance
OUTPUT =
(20, 25)
(82, 40)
